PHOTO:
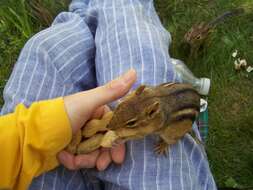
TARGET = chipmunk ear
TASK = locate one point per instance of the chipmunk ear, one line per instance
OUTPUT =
(139, 90)
(153, 109)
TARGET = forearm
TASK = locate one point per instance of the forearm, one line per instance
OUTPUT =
(30, 139)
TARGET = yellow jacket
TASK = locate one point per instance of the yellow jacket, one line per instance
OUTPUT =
(29, 141)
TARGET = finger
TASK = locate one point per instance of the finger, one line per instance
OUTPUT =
(104, 159)
(118, 153)
(98, 113)
(67, 159)
(111, 91)
(106, 109)
(87, 160)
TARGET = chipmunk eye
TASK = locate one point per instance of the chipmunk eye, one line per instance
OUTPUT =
(198, 37)
(131, 123)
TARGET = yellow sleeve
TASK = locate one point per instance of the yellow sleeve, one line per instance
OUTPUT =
(29, 141)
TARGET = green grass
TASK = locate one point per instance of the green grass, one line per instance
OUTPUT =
(230, 142)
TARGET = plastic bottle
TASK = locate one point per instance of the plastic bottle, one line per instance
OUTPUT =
(202, 85)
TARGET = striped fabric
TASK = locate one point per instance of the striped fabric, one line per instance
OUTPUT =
(96, 41)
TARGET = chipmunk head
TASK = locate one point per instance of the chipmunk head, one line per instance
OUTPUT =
(197, 34)
(137, 109)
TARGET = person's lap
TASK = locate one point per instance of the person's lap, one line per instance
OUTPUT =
(125, 34)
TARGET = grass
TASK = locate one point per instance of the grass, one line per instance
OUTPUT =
(230, 142)
(19, 20)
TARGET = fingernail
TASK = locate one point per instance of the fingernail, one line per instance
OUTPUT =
(128, 76)
(124, 79)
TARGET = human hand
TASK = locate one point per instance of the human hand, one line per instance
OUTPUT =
(86, 105)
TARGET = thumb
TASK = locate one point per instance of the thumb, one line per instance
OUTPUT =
(111, 91)
(80, 106)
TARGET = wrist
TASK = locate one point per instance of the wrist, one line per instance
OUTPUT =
(71, 105)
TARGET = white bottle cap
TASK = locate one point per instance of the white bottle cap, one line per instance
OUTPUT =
(203, 105)
(204, 86)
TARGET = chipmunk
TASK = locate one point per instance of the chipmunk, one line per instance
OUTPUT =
(167, 110)
(198, 33)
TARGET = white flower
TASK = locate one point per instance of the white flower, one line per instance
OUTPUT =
(243, 63)
(237, 65)
(249, 69)
(234, 54)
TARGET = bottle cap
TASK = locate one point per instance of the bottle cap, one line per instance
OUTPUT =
(204, 86)
(203, 105)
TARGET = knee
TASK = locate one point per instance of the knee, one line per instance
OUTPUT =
(65, 17)
(78, 6)
(67, 29)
